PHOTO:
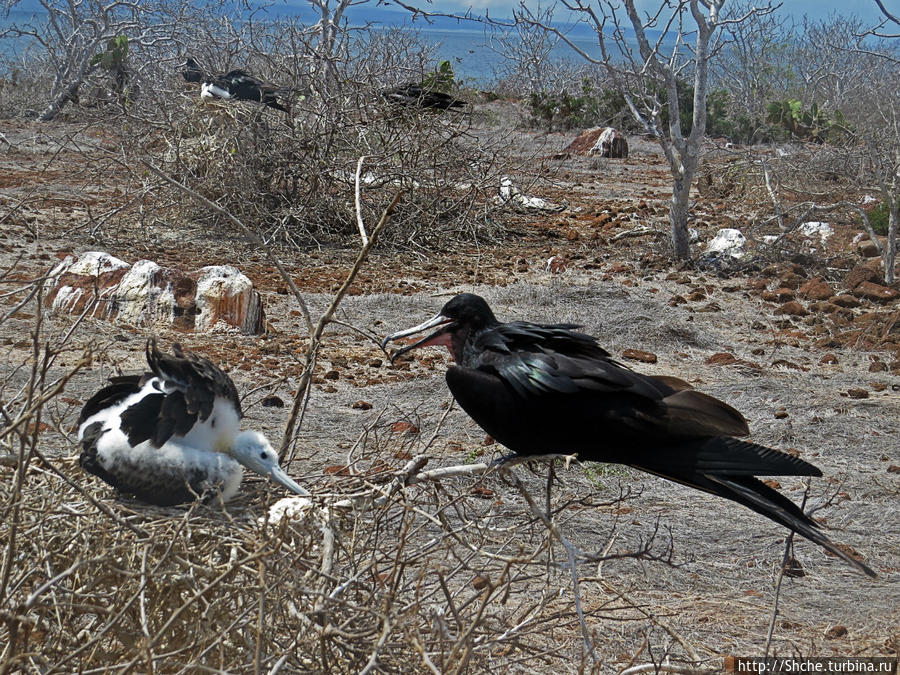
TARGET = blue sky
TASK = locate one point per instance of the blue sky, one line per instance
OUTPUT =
(816, 9)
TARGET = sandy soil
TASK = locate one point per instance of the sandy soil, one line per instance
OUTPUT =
(718, 593)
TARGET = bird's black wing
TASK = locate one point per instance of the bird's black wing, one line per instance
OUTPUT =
(118, 389)
(197, 378)
(188, 386)
(538, 360)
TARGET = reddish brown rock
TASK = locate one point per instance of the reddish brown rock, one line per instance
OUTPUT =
(697, 294)
(792, 308)
(876, 292)
(404, 427)
(638, 355)
(857, 392)
(867, 249)
(721, 359)
(828, 360)
(859, 274)
(835, 632)
(610, 143)
(756, 284)
(778, 295)
(145, 294)
(845, 300)
(815, 289)
(790, 280)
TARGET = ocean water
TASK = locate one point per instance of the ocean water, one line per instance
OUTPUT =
(466, 44)
(479, 64)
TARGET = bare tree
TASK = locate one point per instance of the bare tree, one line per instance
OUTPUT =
(527, 49)
(73, 33)
(754, 64)
(648, 66)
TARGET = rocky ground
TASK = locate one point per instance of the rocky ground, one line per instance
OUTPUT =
(804, 341)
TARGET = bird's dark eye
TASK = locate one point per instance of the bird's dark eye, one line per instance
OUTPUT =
(262, 455)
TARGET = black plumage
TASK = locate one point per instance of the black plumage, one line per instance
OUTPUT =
(158, 416)
(546, 388)
(417, 96)
(192, 72)
(242, 86)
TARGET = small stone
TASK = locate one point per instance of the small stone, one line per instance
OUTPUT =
(375, 363)
(480, 582)
(792, 308)
(697, 294)
(793, 568)
(835, 632)
(272, 401)
(361, 405)
(331, 375)
(721, 359)
(893, 468)
(828, 360)
(857, 392)
(815, 289)
(877, 366)
(638, 355)
(859, 274)
(867, 249)
(790, 280)
(781, 414)
(403, 427)
(876, 292)
(778, 295)
(846, 301)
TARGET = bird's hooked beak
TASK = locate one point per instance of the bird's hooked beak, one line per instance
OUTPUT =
(255, 453)
(278, 475)
(439, 337)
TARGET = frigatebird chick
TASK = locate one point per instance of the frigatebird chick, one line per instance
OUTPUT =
(415, 95)
(237, 84)
(546, 388)
(173, 434)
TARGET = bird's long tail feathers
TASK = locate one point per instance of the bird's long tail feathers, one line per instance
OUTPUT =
(756, 495)
(721, 456)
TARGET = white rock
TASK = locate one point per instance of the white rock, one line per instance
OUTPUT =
(728, 241)
(510, 194)
(290, 508)
(139, 301)
(217, 282)
(91, 263)
(868, 199)
(817, 229)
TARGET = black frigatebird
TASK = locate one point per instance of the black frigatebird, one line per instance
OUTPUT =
(415, 95)
(192, 72)
(239, 84)
(546, 388)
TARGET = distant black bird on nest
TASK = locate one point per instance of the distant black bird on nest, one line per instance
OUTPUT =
(415, 95)
(238, 84)
(545, 388)
(192, 72)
